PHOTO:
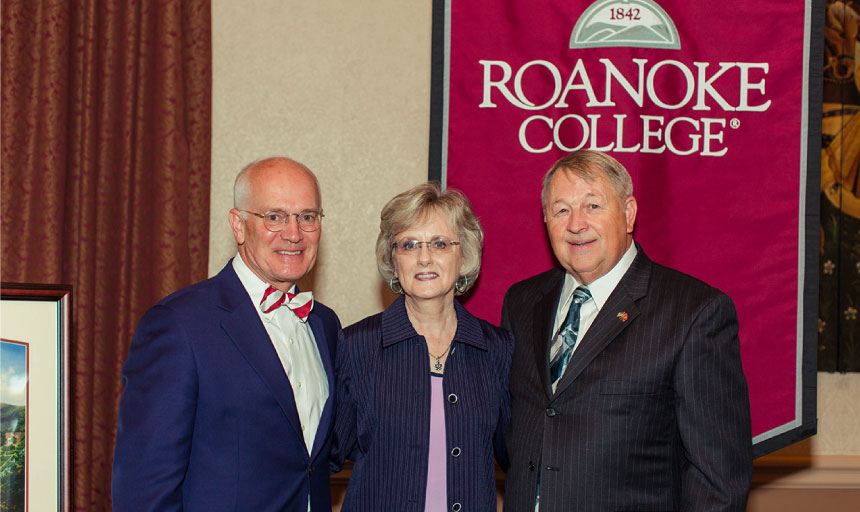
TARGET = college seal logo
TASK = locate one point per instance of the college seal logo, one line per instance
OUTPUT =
(639, 23)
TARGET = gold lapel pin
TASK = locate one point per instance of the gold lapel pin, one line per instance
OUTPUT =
(622, 316)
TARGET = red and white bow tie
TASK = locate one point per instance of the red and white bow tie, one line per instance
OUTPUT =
(299, 303)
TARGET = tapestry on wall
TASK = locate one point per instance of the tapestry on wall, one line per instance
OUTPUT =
(719, 126)
(838, 323)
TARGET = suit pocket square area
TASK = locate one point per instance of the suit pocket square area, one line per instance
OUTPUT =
(631, 387)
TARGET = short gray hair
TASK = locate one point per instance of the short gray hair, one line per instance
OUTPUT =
(588, 165)
(408, 208)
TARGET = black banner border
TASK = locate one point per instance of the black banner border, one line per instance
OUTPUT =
(808, 421)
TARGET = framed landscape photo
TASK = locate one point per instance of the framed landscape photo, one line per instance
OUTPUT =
(34, 397)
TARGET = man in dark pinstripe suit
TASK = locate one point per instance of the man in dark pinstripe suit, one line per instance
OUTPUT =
(627, 389)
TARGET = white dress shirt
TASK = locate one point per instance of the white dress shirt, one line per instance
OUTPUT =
(600, 290)
(296, 348)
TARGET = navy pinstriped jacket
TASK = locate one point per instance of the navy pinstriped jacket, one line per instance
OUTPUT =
(652, 412)
(383, 412)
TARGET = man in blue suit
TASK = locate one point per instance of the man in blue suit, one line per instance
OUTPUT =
(227, 402)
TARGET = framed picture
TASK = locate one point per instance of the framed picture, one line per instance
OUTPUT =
(34, 397)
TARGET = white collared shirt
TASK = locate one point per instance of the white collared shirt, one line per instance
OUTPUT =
(294, 342)
(600, 290)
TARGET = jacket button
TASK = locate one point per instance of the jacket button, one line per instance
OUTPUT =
(456, 507)
(531, 466)
(452, 398)
(550, 412)
(456, 451)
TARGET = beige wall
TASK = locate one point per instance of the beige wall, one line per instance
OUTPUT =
(838, 415)
(344, 87)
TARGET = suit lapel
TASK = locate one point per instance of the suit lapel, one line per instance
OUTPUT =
(318, 328)
(619, 311)
(245, 329)
(545, 309)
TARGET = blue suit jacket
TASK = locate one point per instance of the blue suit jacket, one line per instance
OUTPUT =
(207, 419)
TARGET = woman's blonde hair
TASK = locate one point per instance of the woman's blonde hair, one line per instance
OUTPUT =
(411, 207)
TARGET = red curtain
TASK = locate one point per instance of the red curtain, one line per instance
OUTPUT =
(106, 127)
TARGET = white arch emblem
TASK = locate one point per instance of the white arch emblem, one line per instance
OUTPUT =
(638, 23)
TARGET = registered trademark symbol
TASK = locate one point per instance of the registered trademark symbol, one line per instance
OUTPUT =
(735, 122)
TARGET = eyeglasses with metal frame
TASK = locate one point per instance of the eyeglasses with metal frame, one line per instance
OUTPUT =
(275, 221)
(437, 245)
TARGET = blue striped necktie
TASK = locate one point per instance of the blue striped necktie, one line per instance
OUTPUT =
(567, 335)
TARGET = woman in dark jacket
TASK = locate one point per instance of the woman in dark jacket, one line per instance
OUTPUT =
(422, 388)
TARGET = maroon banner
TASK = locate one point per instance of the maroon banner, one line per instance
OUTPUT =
(712, 120)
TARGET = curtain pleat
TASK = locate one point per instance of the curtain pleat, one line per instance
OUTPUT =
(106, 128)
